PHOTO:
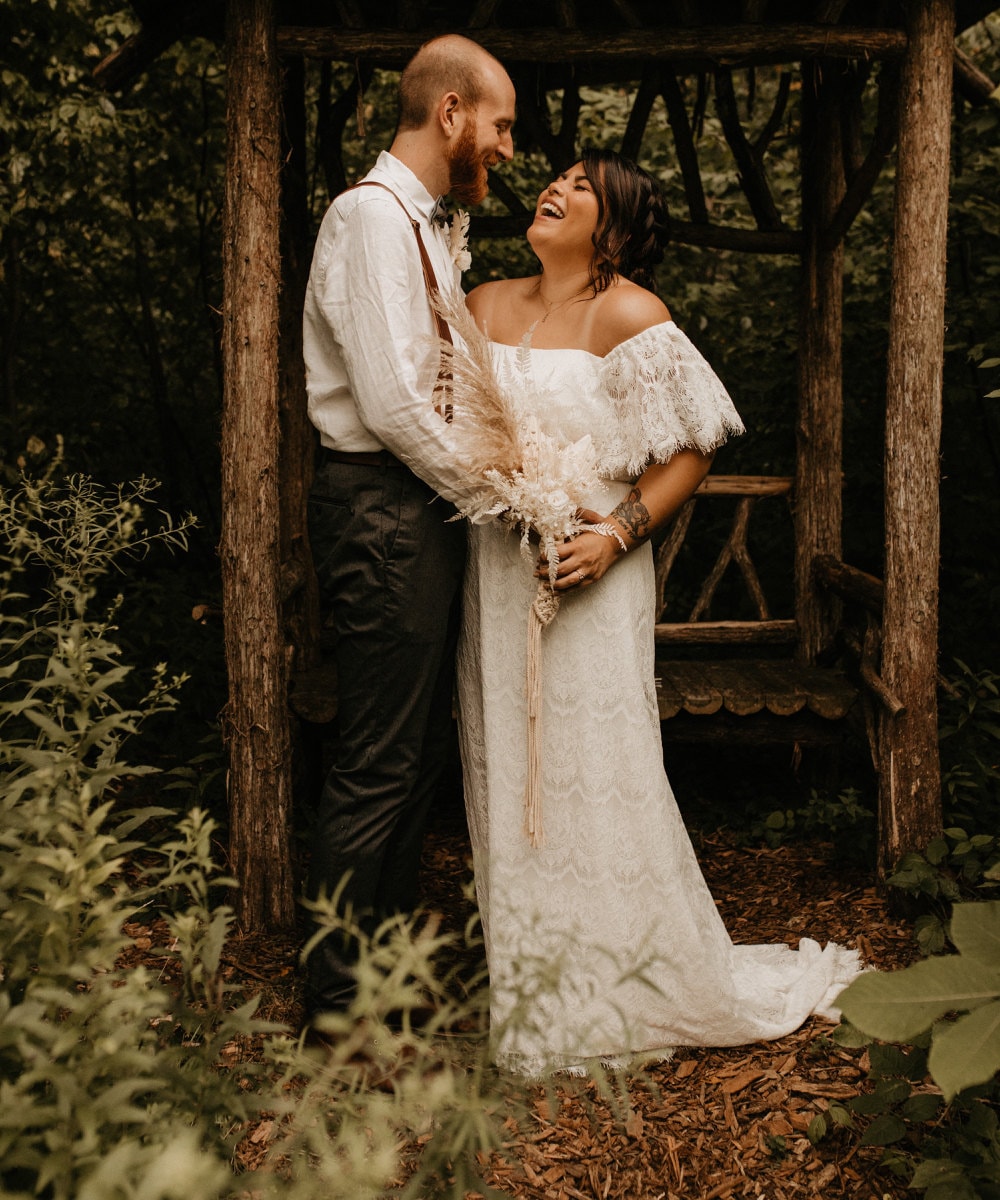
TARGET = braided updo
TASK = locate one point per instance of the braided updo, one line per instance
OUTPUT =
(631, 220)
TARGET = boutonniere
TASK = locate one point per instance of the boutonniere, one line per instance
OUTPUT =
(458, 240)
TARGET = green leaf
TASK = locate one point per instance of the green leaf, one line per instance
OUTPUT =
(898, 1005)
(840, 1115)
(975, 930)
(967, 1052)
(922, 1107)
(817, 1129)
(953, 1189)
(885, 1096)
(982, 1121)
(849, 1035)
(884, 1130)
(936, 1170)
(929, 932)
(888, 1060)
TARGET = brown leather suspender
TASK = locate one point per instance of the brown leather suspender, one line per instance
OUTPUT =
(430, 283)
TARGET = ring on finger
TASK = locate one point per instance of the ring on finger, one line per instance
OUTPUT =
(582, 573)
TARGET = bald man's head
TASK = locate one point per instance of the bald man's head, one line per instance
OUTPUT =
(446, 64)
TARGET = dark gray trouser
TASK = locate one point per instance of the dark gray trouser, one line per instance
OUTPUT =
(389, 568)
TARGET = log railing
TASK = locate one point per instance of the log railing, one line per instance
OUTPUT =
(857, 587)
(765, 629)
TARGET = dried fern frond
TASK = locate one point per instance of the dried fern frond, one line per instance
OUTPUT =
(537, 481)
(486, 417)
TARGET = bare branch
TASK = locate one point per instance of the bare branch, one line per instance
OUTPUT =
(687, 156)
(748, 162)
(649, 87)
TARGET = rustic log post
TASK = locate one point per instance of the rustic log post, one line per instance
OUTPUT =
(256, 720)
(909, 766)
(819, 426)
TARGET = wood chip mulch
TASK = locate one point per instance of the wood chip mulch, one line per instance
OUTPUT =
(709, 1124)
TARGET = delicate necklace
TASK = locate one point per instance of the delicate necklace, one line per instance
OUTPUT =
(556, 305)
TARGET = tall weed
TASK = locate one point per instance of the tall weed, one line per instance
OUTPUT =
(123, 1083)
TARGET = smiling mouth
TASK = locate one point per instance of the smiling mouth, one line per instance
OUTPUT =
(548, 209)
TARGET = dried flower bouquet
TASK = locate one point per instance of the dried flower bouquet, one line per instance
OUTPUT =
(531, 479)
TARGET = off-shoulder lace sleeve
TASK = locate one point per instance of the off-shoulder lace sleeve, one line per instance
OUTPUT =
(664, 397)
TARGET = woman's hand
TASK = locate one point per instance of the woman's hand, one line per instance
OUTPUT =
(654, 498)
(582, 559)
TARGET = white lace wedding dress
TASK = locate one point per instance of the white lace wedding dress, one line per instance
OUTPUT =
(605, 942)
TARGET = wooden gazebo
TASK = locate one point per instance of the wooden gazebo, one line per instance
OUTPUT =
(267, 446)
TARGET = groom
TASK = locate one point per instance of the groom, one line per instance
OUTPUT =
(389, 563)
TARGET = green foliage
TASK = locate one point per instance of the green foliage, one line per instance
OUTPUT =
(842, 819)
(950, 1149)
(964, 862)
(899, 1006)
(969, 714)
(109, 245)
(97, 1089)
(129, 1083)
(947, 1010)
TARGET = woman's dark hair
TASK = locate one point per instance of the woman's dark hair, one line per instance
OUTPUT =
(631, 220)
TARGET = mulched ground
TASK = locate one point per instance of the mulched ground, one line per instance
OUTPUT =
(707, 1125)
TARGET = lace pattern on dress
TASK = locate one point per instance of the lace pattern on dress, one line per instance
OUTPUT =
(664, 398)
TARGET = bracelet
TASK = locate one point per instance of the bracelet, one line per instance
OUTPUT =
(606, 529)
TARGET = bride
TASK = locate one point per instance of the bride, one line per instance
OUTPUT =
(603, 942)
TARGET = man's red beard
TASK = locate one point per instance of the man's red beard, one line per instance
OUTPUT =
(468, 181)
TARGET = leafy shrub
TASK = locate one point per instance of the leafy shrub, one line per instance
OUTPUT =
(946, 1011)
(842, 819)
(964, 863)
(953, 867)
(970, 748)
(119, 1083)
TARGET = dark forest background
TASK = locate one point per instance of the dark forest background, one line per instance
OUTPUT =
(110, 296)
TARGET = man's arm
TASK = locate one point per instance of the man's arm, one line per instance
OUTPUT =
(376, 303)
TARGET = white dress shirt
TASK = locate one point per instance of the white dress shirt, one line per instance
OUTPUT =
(369, 337)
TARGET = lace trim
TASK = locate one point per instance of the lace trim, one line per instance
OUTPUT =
(664, 398)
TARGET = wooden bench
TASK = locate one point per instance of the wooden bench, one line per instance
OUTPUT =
(751, 688)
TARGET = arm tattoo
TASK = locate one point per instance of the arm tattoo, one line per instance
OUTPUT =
(633, 516)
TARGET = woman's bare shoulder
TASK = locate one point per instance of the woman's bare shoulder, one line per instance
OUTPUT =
(626, 310)
(491, 302)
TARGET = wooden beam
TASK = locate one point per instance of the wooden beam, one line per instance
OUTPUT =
(745, 485)
(642, 106)
(849, 583)
(859, 186)
(684, 147)
(972, 83)
(909, 765)
(819, 425)
(749, 164)
(255, 722)
(698, 49)
(727, 633)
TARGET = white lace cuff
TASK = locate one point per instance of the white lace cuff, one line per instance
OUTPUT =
(664, 398)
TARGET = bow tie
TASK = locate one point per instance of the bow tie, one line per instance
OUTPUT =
(439, 214)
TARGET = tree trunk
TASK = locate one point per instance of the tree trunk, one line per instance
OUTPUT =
(819, 429)
(256, 719)
(909, 767)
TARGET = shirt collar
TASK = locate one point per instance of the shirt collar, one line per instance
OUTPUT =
(406, 185)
